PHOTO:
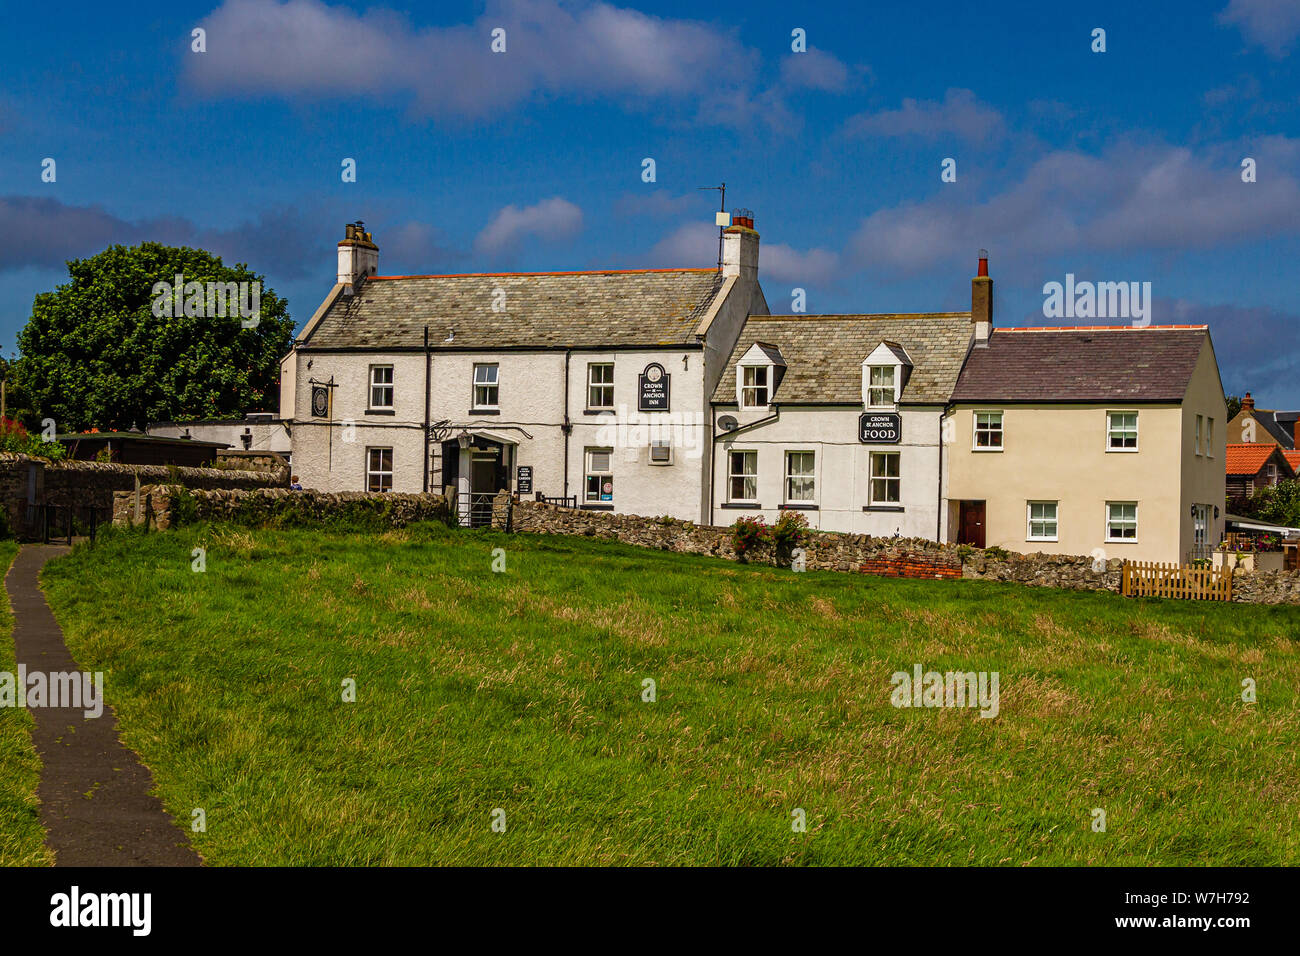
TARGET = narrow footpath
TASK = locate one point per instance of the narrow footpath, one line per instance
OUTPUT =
(94, 794)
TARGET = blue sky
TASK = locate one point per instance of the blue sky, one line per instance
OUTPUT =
(1115, 166)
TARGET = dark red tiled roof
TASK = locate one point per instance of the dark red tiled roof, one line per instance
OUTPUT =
(1082, 364)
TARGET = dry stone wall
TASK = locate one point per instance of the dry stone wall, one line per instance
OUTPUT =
(86, 485)
(826, 551)
(165, 506)
(909, 557)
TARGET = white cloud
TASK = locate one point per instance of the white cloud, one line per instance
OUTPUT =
(552, 219)
(814, 70)
(690, 245)
(960, 114)
(782, 263)
(1133, 198)
(307, 48)
(659, 204)
(695, 244)
(1273, 24)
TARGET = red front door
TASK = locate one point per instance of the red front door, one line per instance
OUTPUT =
(971, 520)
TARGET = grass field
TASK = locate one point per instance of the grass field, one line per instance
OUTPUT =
(21, 834)
(523, 691)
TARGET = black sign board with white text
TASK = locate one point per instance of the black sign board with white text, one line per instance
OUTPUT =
(524, 479)
(880, 428)
(652, 389)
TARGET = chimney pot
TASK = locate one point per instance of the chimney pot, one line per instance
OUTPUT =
(1248, 403)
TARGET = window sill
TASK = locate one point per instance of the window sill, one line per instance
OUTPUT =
(598, 411)
(1121, 541)
(381, 411)
(1042, 541)
(1122, 451)
(795, 506)
(484, 411)
(741, 505)
(883, 508)
(988, 449)
(595, 507)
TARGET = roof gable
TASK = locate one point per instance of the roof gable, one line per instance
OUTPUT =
(763, 353)
(888, 353)
(1279, 425)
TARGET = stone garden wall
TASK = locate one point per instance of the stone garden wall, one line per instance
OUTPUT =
(902, 557)
(165, 506)
(86, 485)
(825, 551)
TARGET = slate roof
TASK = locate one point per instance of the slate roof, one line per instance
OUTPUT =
(772, 352)
(1281, 425)
(824, 354)
(1083, 364)
(542, 310)
(1248, 458)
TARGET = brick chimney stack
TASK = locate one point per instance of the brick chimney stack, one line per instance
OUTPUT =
(981, 302)
(358, 255)
(740, 246)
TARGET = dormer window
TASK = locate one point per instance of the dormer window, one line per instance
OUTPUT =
(880, 390)
(754, 386)
(758, 376)
(884, 375)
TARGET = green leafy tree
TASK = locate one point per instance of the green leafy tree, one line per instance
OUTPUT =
(95, 354)
(17, 404)
(1277, 504)
(1234, 405)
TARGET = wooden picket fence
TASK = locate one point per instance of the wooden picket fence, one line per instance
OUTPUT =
(1149, 579)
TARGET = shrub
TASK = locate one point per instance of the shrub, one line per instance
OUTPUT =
(185, 510)
(789, 532)
(749, 533)
(14, 438)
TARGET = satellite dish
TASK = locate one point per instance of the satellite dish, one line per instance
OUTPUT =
(728, 423)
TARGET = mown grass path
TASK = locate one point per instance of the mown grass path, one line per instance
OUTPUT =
(95, 800)
(524, 692)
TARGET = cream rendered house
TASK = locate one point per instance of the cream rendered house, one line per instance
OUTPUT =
(592, 387)
(1089, 440)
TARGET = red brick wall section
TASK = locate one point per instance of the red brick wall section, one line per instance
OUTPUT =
(909, 566)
